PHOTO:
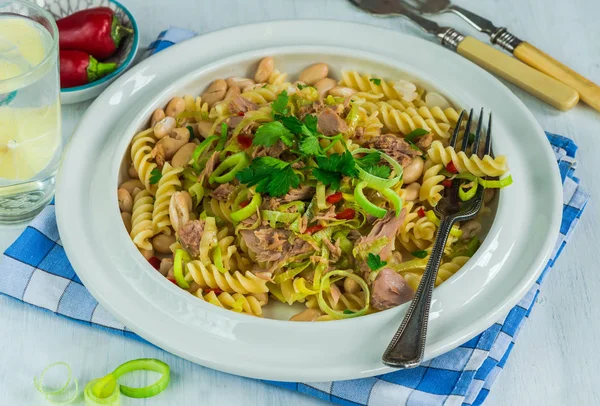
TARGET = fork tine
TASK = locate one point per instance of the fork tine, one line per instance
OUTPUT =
(475, 145)
(467, 132)
(488, 137)
(457, 129)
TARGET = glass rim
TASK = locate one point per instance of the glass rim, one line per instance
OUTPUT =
(53, 50)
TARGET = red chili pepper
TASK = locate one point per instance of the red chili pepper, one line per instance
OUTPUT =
(244, 203)
(314, 229)
(96, 31)
(216, 290)
(421, 212)
(334, 198)
(155, 262)
(244, 141)
(172, 281)
(451, 168)
(78, 68)
(346, 214)
(447, 183)
(240, 113)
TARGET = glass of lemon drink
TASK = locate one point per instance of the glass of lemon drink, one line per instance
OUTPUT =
(30, 131)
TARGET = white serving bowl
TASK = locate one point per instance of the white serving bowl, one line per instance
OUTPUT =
(508, 262)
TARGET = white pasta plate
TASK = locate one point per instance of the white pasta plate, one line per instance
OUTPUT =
(513, 254)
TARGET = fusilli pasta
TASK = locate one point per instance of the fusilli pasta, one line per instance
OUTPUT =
(141, 220)
(168, 184)
(487, 166)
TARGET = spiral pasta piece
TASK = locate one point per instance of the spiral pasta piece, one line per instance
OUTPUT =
(363, 83)
(168, 184)
(141, 220)
(431, 189)
(236, 302)
(219, 208)
(208, 276)
(474, 165)
(450, 268)
(406, 235)
(446, 270)
(141, 148)
(261, 95)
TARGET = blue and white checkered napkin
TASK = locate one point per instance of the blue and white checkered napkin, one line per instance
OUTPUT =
(36, 270)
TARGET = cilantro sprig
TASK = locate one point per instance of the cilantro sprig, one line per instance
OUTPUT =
(270, 175)
(376, 81)
(375, 262)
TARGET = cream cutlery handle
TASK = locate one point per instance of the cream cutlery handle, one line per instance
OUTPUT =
(588, 91)
(532, 81)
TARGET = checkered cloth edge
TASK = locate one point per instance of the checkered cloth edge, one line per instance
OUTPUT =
(35, 270)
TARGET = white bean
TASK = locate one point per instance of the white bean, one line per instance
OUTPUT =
(264, 69)
(175, 106)
(413, 171)
(125, 200)
(314, 73)
(412, 192)
(164, 127)
(324, 85)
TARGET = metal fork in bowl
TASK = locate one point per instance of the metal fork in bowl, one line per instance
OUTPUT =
(407, 347)
(588, 91)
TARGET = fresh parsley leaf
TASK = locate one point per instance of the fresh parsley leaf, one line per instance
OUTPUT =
(419, 254)
(374, 261)
(348, 311)
(310, 121)
(328, 178)
(222, 138)
(309, 145)
(331, 169)
(381, 171)
(268, 134)
(270, 175)
(370, 163)
(294, 125)
(376, 81)
(372, 158)
(279, 106)
(413, 135)
(155, 176)
(191, 130)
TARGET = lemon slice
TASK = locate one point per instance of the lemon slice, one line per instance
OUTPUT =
(29, 138)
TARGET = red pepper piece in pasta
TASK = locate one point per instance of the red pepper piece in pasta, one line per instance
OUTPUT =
(347, 214)
(244, 141)
(334, 198)
(447, 183)
(314, 229)
(155, 262)
(421, 212)
(451, 168)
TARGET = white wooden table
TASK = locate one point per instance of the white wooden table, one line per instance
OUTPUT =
(555, 361)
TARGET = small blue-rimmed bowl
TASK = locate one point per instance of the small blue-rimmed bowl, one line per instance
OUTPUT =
(123, 57)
